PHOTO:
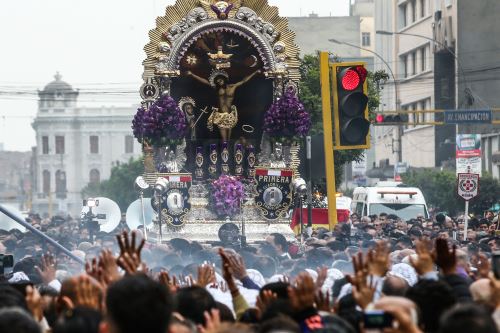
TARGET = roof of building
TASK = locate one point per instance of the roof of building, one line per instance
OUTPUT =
(57, 85)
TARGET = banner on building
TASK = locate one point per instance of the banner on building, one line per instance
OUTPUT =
(468, 154)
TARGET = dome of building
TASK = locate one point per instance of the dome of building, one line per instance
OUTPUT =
(57, 85)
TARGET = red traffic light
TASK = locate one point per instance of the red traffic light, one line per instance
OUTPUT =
(351, 100)
(390, 118)
(350, 79)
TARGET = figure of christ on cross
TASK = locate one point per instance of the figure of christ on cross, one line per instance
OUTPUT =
(225, 117)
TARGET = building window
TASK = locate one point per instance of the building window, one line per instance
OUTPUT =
(430, 115)
(404, 60)
(404, 14)
(46, 181)
(94, 177)
(60, 184)
(45, 145)
(414, 62)
(423, 106)
(129, 144)
(94, 144)
(422, 59)
(413, 10)
(59, 144)
(422, 8)
(365, 39)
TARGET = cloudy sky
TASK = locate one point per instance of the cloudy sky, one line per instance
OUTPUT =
(95, 44)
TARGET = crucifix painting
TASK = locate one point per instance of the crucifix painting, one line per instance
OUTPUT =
(225, 116)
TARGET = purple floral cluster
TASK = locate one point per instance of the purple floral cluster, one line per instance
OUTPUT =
(228, 192)
(287, 118)
(164, 123)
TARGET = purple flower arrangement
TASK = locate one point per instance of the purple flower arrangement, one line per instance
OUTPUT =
(162, 124)
(228, 192)
(287, 118)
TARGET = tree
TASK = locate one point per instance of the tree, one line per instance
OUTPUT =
(120, 185)
(440, 190)
(310, 95)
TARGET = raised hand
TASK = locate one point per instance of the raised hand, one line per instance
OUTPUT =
(227, 272)
(423, 263)
(88, 294)
(237, 266)
(323, 302)
(378, 259)
(130, 255)
(92, 268)
(48, 270)
(171, 283)
(128, 245)
(445, 258)
(322, 275)
(132, 264)
(212, 322)
(206, 275)
(34, 302)
(108, 268)
(265, 298)
(362, 290)
(303, 294)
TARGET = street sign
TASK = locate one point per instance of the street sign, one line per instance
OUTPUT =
(468, 185)
(467, 116)
(468, 153)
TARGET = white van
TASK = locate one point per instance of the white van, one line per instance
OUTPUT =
(390, 198)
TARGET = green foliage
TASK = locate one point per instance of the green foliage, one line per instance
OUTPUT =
(310, 91)
(375, 80)
(489, 194)
(310, 95)
(120, 186)
(440, 191)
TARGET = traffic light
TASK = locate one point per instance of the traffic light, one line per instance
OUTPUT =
(389, 119)
(350, 117)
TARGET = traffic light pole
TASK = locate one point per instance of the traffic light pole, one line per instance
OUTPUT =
(328, 138)
(309, 185)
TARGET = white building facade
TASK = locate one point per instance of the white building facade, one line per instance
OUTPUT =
(76, 146)
(407, 46)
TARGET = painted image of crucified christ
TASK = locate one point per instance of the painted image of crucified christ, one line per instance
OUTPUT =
(225, 116)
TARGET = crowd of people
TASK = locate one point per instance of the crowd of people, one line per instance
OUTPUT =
(375, 273)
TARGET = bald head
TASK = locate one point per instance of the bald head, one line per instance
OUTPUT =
(481, 291)
(394, 286)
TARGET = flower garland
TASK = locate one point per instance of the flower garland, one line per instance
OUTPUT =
(227, 193)
(287, 119)
(162, 124)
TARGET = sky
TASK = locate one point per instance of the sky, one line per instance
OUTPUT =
(96, 45)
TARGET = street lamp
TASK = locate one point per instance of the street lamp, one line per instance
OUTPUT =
(467, 91)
